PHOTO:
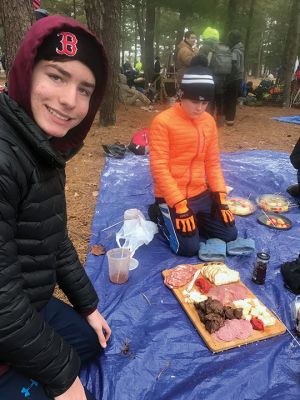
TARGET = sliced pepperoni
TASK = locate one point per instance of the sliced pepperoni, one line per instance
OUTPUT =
(180, 275)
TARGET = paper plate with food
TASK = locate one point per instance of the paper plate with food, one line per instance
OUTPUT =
(241, 206)
(273, 203)
(275, 221)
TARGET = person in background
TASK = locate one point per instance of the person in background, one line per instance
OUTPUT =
(157, 66)
(294, 190)
(130, 73)
(43, 122)
(190, 192)
(186, 50)
(40, 13)
(129, 95)
(156, 75)
(264, 87)
(138, 66)
(234, 84)
(216, 54)
(198, 60)
(210, 38)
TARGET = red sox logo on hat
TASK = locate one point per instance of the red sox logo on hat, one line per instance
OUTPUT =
(68, 43)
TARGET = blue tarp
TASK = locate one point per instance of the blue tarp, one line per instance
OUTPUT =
(291, 119)
(167, 358)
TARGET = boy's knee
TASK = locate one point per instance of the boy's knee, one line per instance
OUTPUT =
(230, 234)
(187, 250)
(92, 346)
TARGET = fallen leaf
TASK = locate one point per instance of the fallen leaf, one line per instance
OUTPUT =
(98, 249)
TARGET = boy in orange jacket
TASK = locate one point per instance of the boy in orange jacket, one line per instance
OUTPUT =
(185, 164)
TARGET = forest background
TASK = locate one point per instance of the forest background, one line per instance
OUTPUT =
(130, 28)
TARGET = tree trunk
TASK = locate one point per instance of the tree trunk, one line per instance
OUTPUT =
(181, 26)
(231, 17)
(94, 16)
(149, 40)
(16, 19)
(291, 50)
(139, 7)
(74, 9)
(111, 41)
(122, 33)
(135, 42)
(248, 33)
(157, 30)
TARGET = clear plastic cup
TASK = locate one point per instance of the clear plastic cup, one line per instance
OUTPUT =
(118, 264)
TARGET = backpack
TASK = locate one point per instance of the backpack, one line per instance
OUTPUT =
(291, 275)
(139, 143)
(220, 60)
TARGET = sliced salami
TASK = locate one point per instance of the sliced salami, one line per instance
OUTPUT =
(234, 329)
(180, 276)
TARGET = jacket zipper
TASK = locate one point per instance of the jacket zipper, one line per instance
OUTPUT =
(192, 160)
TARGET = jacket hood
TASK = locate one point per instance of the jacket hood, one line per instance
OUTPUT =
(238, 46)
(20, 74)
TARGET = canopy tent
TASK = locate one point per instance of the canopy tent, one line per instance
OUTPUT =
(155, 352)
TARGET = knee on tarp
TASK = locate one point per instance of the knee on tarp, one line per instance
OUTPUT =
(291, 275)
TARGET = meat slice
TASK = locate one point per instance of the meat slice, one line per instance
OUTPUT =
(225, 333)
(234, 329)
(180, 275)
(226, 294)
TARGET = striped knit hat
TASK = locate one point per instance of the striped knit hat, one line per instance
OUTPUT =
(197, 84)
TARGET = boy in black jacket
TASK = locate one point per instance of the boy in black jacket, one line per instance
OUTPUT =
(55, 87)
(294, 190)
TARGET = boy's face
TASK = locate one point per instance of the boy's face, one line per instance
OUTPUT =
(60, 95)
(191, 40)
(194, 108)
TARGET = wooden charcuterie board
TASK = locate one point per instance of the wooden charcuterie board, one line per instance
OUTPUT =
(217, 346)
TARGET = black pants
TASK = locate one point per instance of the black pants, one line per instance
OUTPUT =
(208, 226)
(232, 92)
(75, 330)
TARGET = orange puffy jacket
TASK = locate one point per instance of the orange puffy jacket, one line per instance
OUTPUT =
(184, 155)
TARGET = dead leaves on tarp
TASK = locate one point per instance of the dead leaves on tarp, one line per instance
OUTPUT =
(98, 250)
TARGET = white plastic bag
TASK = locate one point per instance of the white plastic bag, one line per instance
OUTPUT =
(135, 231)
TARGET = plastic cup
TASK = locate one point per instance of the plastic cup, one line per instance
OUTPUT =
(118, 264)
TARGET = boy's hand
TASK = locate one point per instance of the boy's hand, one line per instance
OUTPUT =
(184, 219)
(75, 392)
(220, 206)
(100, 326)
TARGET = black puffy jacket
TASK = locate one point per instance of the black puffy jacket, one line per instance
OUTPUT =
(35, 252)
(295, 156)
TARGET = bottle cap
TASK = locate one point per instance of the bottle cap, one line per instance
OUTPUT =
(263, 256)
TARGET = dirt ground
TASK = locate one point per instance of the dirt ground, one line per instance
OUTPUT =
(254, 129)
